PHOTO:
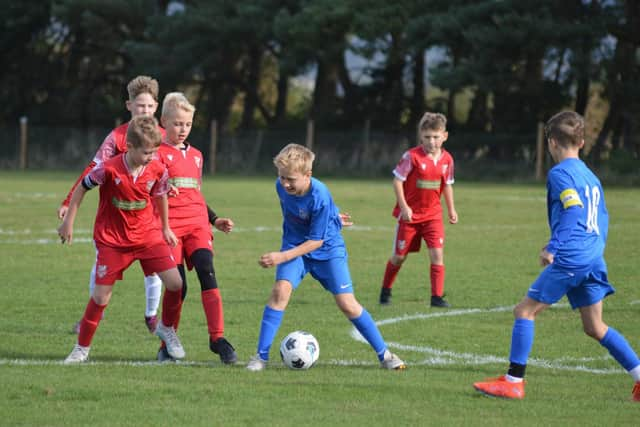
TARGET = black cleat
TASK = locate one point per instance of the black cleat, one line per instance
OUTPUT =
(225, 350)
(385, 296)
(439, 302)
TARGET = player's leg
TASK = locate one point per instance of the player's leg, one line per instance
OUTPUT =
(433, 234)
(163, 354)
(403, 242)
(202, 261)
(92, 285)
(152, 291)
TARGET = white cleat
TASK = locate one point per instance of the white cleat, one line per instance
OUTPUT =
(79, 354)
(391, 361)
(256, 364)
(168, 335)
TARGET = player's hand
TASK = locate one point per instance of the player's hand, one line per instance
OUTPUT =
(345, 219)
(453, 217)
(224, 224)
(546, 258)
(65, 231)
(173, 191)
(169, 237)
(406, 214)
(271, 259)
(62, 211)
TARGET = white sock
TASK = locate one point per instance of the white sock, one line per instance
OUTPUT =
(152, 290)
(512, 379)
(635, 373)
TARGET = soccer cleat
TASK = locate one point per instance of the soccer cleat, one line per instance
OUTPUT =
(439, 302)
(391, 361)
(79, 354)
(635, 394)
(168, 335)
(151, 322)
(224, 348)
(164, 357)
(500, 387)
(256, 364)
(76, 327)
(385, 296)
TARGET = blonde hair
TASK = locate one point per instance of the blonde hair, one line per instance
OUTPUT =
(433, 121)
(566, 128)
(294, 158)
(143, 131)
(143, 84)
(175, 101)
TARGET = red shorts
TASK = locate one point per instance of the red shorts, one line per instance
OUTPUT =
(188, 243)
(409, 236)
(112, 262)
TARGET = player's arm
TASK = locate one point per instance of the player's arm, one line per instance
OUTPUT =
(65, 230)
(223, 224)
(398, 188)
(448, 199)
(271, 259)
(163, 211)
(64, 206)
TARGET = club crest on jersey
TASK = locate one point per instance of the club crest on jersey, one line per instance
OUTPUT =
(150, 184)
(170, 157)
(117, 181)
(303, 214)
(444, 168)
(197, 160)
(423, 166)
(101, 270)
(402, 244)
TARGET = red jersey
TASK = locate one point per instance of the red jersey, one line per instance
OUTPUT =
(126, 217)
(423, 179)
(188, 209)
(115, 143)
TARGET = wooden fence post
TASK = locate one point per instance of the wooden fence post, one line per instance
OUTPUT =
(213, 147)
(540, 153)
(23, 142)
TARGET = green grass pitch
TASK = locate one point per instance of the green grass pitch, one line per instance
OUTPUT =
(491, 258)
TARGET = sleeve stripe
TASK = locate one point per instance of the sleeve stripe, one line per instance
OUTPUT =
(570, 197)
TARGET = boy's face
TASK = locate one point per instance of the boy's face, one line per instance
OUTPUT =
(141, 156)
(433, 139)
(142, 105)
(178, 126)
(295, 183)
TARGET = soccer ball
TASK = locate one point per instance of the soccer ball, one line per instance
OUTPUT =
(299, 350)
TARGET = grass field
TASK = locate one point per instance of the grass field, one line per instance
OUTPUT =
(491, 258)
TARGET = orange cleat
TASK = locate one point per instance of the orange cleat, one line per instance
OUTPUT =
(635, 394)
(500, 387)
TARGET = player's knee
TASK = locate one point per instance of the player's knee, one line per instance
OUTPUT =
(202, 261)
(595, 331)
(397, 260)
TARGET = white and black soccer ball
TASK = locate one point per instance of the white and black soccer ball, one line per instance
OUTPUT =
(299, 350)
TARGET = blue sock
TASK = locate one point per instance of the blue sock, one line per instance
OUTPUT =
(271, 320)
(620, 349)
(368, 329)
(521, 340)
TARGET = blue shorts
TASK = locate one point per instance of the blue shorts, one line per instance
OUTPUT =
(583, 287)
(333, 274)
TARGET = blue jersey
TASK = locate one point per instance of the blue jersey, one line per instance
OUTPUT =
(312, 216)
(577, 214)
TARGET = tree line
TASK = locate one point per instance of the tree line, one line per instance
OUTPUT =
(499, 66)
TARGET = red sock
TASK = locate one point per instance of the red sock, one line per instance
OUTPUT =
(171, 307)
(89, 323)
(212, 304)
(437, 280)
(390, 274)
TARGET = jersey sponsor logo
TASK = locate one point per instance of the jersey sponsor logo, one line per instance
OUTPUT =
(570, 197)
(101, 271)
(183, 182)
(425, 184)
(129, 205)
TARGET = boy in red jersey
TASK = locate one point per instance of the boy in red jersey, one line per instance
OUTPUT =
(143, 101)
(189, 219)
(126, 229)
(423, 174)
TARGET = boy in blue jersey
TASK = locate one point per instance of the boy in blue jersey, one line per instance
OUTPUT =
(311, 243)
(573, 259)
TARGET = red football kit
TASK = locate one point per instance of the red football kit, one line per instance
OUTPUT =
(188, 215)
(424, 179)
(115, 143)
(126, 226)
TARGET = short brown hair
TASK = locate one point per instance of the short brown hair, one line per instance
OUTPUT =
(566, 128)
(143, 131)
(433, 121)
(295, 158)
(143, 84)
